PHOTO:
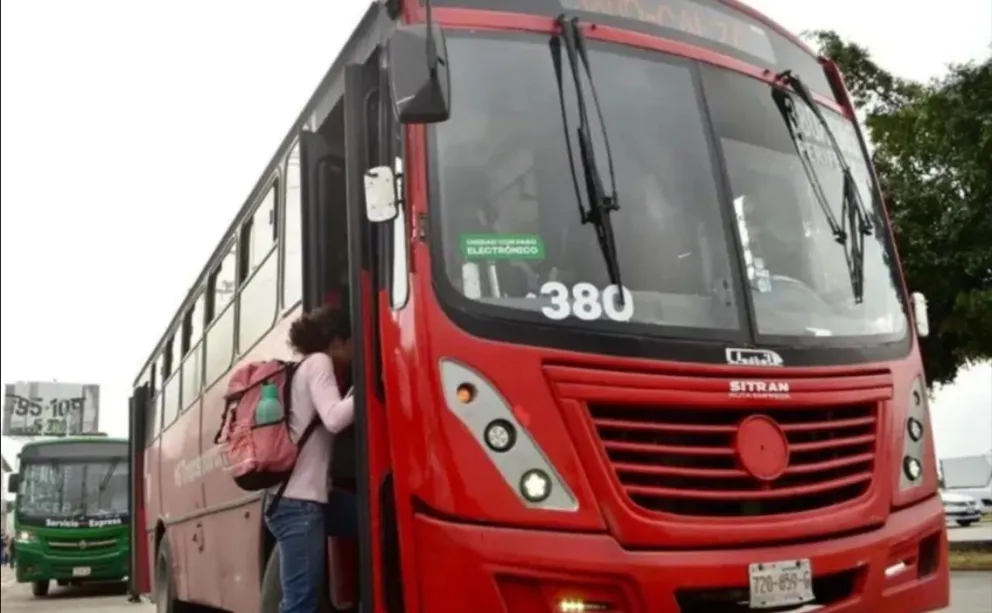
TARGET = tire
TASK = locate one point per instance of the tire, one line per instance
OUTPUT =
(271, 596)
(40, 588)
(966, 522)
(165, 586)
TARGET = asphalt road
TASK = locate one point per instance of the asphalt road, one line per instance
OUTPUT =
(976, 532)
(970, 593)
(110, 598)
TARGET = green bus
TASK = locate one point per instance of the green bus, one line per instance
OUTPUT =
(71, 520)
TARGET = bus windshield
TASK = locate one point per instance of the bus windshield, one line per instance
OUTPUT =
(797, 271)
(513, 241)
(84, 489)
(513, 235)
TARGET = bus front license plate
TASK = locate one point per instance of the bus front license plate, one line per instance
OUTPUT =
(778, 584)
(81, 571)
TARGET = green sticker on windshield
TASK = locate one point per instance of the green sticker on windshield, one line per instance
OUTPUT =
(502, 246)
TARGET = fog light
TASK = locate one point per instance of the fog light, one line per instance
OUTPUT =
(500, 435)
(912, 467)
(535, 486)
(576, 605)
(915, 429)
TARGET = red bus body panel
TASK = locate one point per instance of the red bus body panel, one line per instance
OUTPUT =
(465, 541)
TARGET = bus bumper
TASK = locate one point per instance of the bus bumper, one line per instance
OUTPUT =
(34, 564)
(899, 568)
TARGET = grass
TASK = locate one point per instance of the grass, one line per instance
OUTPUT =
(971, 560)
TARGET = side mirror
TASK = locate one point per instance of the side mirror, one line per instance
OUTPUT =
(418, 68)
(383, 189)
(13, 481)
(920, 314)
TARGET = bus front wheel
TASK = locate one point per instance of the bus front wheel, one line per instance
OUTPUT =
(40, 588)
(165, 585)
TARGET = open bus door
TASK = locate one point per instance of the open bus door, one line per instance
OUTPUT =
(357, 464)
(324, 220)
(139, 578)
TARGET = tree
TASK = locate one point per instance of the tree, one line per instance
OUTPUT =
(933, 154)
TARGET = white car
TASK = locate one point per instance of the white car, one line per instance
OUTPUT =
(961, 508)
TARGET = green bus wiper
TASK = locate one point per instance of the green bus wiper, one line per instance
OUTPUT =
(601, 204)
(110, 473)
(853, 212)
(105, 481)
(57, 473)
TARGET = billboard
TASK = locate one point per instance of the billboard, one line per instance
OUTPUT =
(50, 408)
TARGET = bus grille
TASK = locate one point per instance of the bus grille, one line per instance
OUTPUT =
(81, 546)
(684, 461)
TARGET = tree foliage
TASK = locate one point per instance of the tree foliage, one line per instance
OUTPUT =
(933, 154)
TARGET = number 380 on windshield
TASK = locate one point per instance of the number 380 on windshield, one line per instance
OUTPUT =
(587, 302)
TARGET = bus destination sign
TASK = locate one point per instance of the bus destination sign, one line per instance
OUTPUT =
(686, 17)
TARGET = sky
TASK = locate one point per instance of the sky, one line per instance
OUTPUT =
(133, 131)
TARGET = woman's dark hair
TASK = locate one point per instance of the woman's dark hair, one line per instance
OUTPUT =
(314, 332)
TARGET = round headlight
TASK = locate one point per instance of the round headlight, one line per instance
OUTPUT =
(914, 428)
(912, 467)
(500, 435)
(535, 485)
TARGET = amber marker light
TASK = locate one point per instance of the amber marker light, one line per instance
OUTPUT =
(466, 393)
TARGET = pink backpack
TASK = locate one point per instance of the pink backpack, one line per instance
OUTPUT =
(259, 457)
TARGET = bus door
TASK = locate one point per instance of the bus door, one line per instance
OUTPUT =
(139, 577)
(358, 465)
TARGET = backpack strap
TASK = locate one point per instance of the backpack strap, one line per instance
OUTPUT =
(282, 486)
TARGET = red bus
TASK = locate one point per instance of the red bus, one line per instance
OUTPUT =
(631, 331)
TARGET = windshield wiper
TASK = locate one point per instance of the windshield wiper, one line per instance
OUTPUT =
(104, 482)
(854, 215)
(601, 204)
(110, 473)
(56, 469)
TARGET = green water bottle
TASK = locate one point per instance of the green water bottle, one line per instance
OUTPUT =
(269, 409)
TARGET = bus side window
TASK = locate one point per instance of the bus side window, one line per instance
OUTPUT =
(292, 251)
(258, 296)
(219, 317)
(154, 424)
(152, 417)
(172, 400)
(192, 352)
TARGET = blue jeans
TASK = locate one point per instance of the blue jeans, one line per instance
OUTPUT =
(298, 526)
(301, 528)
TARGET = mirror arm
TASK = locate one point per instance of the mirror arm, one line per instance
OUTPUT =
(432, 59)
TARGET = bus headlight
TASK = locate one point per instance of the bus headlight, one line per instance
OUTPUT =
(914, 428)
(500, 435)
(912, 468)
(914, 448)
(25, 536)
(508, 445)
(535, 485)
